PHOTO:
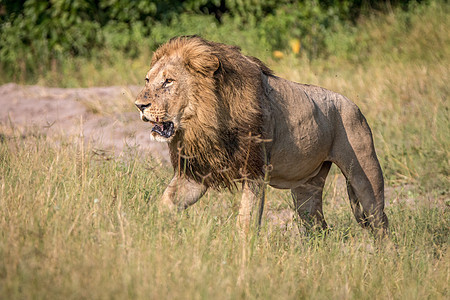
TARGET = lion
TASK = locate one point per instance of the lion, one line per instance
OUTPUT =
(229, 121)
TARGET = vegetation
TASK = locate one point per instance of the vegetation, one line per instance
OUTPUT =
(59, 30)
(79, 225)
(76, 225)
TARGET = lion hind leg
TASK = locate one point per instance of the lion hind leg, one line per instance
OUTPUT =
(365, 189)
(367, 209)
(308, 199)
(354, 153)
(357, 209)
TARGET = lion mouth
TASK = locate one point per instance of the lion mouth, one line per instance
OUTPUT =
(164, 129)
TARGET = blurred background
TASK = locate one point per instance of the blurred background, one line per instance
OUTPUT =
(42, 41)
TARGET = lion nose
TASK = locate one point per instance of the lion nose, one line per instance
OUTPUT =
(142, 106)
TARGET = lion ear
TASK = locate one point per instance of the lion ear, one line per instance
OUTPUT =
(205, 64)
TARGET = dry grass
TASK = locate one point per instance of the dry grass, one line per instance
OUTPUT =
(77, 226)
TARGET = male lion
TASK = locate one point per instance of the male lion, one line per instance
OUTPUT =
(228, 119)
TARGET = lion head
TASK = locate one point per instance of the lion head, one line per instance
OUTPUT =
(204, 99)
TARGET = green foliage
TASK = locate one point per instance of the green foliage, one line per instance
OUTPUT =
(40, 35)
(307, 21)
(45, 33)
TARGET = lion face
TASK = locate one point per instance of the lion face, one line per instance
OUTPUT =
(164, 101)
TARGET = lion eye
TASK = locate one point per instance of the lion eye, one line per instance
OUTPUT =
(168, 82)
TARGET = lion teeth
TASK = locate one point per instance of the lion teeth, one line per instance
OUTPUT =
(164, 129)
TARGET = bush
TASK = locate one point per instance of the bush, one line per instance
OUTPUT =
(39, 35)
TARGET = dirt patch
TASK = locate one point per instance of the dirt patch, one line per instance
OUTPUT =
(104, 115)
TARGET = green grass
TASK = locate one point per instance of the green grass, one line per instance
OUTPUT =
(76, 225)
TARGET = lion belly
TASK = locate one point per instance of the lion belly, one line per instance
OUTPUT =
(301, 129)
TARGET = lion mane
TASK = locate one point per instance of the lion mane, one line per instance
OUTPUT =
(220, 144)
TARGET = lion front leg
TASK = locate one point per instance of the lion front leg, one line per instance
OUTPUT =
(182, 193)
(251, 192)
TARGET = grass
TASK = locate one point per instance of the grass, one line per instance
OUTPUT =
(75, 224)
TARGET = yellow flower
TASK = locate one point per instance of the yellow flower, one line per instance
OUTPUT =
(295, 45)
(277, 54)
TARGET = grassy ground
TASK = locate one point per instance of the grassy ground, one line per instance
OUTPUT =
(78, 225)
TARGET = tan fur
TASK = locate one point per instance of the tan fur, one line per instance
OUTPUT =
(231, 115)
